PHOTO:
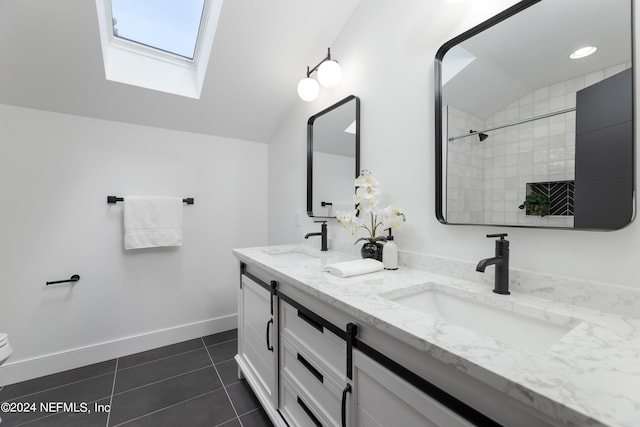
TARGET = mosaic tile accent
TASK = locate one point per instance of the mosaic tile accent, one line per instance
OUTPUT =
(561, 195)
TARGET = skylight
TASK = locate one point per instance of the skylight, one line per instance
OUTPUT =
(168, 25)
(162, 45)
(457, 60)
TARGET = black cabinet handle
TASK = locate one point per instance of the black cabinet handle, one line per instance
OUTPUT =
(306, 409)
(310, 367)
(269, 346)
(310, 321)
(343, 411)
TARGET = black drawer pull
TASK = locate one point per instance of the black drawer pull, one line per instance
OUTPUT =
(343, 411)
(269, 346)
(310, 367)
(310, 321)
(306, 409)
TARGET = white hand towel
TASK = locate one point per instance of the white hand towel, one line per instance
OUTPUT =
(152, 221)
(354, 268)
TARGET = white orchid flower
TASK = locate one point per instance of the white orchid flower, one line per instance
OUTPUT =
(366, 207)
(370, 204)
(363, 194)
(350, 217)
(366, 180)
(348, 220)
(392, 217)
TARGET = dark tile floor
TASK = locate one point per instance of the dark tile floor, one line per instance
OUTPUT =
(192, 383)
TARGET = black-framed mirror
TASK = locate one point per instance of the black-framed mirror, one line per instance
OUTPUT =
(518, 118)
(333, 157)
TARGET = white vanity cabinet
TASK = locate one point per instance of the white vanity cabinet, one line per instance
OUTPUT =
(382, 399)
(258, 341)
(308, 366)
(346, 343)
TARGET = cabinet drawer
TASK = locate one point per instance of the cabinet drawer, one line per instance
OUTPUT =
(385, 400)
(298, 408)
(309, 374)
(330, 349)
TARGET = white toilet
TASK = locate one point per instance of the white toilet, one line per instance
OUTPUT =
(5, 348)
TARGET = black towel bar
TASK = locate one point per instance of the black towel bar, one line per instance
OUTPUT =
(114, 199)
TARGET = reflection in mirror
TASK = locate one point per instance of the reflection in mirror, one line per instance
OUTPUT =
(516, 116)
(333, 157)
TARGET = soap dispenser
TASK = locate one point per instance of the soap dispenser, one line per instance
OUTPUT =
(390, 253)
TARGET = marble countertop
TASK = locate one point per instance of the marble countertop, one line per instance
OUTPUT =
(589, 377)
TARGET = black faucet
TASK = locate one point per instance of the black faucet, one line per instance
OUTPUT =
(322, 233)
(501, 261)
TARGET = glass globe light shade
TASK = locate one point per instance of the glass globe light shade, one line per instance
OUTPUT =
(308, 89)
(330, 74)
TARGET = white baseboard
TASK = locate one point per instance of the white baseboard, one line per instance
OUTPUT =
(22, 370)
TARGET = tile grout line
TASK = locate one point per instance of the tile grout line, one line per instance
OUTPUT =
(167, 407)
(218, 343)
(229, 385)
(222, 383)
(161, 358)
(159, 381)
(227, 422)
(56, 387)
(177, 354)
(252, 410)
(224, 361)
(113, 387)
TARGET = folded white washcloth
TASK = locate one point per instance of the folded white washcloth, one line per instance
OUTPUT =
(152, 221)
(354, 268)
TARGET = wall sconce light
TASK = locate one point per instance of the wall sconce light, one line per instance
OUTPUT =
(329, 75)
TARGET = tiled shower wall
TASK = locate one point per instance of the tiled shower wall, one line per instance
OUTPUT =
(486, 181)
(465, 170)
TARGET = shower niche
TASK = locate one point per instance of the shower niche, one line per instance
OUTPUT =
(515, 114)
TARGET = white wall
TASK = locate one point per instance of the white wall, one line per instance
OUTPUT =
(386, 51)
(56, 171)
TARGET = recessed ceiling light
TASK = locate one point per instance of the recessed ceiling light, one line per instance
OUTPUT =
(582, 52)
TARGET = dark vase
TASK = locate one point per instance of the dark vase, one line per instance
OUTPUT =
(372, 250)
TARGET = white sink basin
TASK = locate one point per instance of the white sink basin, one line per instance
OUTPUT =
(533, 332)
(293, 254)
